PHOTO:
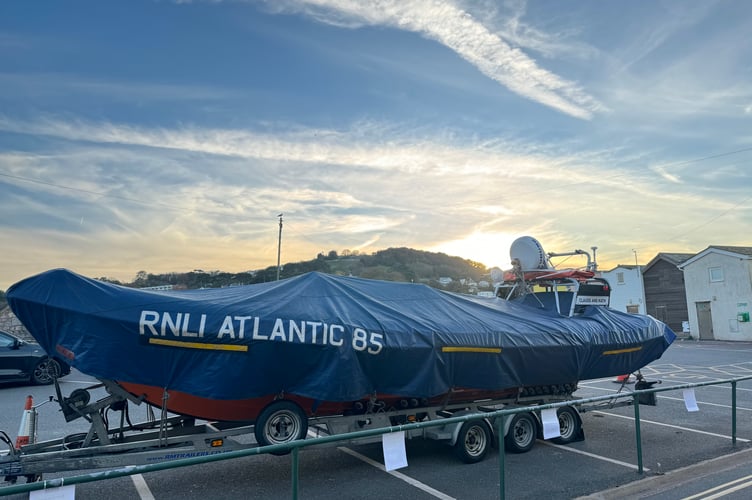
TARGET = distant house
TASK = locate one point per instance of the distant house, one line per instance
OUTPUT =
(444, 280)
(665, 296)
(627, 293)
(158, 288)
(719, 292)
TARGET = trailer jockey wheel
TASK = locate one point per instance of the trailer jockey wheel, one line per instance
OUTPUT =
(473, 441)
(279, 423)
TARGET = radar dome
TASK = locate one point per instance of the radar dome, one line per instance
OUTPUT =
(529, 252)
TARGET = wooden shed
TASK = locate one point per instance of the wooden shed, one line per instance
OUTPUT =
(665, 294)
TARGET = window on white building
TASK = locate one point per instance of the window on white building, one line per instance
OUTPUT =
(620, 278)
(716, 274)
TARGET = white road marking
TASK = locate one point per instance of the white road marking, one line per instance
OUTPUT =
(413, 482)
(687, 429)
(593, 455)
(141, 487)
(708, 404)
(398, 475)
(676, 399)
(723, 489)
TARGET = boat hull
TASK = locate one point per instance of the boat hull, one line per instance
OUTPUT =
(247, 410)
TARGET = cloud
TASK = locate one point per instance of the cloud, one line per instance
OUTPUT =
(665, 174)
(552, 42)
(458, 30)
(208, 195)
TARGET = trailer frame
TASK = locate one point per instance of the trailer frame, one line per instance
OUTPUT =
(177, 437)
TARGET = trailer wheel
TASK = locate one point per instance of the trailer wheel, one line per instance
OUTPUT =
(570, 425)
(279, 423)
(522, 433)
(473, 441)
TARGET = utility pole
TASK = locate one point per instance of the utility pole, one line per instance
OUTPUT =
(279, 244)
(643, 300)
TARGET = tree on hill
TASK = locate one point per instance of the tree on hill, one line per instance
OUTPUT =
(392, 264)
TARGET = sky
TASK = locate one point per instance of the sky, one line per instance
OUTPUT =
(167, 136)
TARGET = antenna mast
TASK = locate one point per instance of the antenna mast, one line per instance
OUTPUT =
(279, 244)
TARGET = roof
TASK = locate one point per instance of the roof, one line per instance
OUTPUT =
(729, 251)
(672, 258)
(739, 250)
(621, 266)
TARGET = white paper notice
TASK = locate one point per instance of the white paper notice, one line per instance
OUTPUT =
(689, 400)
(395, 456)
(62, 493)
(551, 427)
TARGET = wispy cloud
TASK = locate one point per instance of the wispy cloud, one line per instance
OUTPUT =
(458, 30)
(365, 146)
(340, 167)
(201, 190)
(551, 41)
(667, 175)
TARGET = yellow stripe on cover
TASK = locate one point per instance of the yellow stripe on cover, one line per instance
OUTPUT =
(622, 351)
(199, 345)
(490, 350)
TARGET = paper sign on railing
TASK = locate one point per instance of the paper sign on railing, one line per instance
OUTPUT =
(61, 493)
(551, 427)
(689, 400)
(395, 456)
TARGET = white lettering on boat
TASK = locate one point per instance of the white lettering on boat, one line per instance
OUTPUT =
(239, 328)
(178, 326)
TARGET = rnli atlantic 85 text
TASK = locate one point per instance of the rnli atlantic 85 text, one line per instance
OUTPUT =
(186, 326)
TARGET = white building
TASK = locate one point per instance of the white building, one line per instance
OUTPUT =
(718, 284)
(627, 292)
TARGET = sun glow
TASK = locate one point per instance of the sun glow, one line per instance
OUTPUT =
(490, 249)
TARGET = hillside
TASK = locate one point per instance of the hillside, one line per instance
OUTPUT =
(393, 264)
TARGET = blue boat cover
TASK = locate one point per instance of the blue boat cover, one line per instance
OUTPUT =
(326, 337)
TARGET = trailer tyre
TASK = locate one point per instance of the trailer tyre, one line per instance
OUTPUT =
(473, 441)
(523, 431)
(570, 425)
(279, 423)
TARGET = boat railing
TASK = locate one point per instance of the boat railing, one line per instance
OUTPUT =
(573, 290)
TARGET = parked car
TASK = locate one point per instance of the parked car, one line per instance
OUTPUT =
(22, 361)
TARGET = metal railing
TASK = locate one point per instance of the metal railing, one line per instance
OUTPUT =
(294, 447)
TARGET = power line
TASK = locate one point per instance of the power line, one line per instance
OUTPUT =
(725, 212)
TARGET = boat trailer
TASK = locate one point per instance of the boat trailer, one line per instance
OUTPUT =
(167, 437)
